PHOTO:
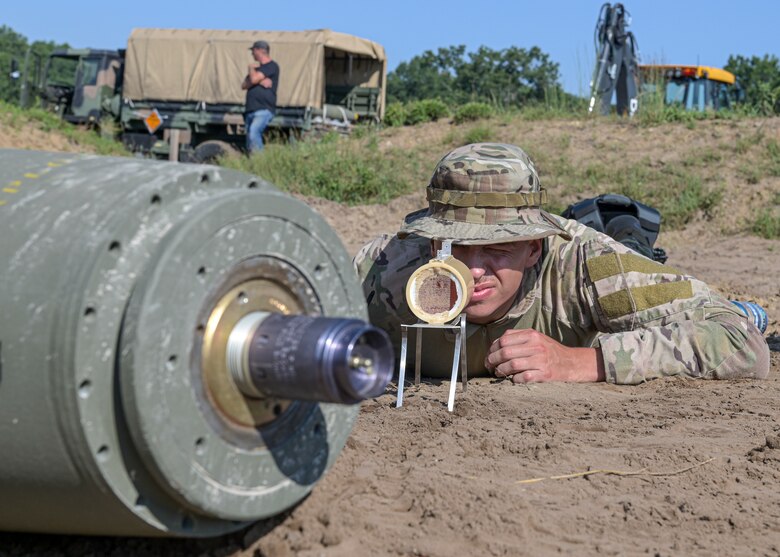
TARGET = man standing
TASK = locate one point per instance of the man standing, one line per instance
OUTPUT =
(553, 300)
(260, 83)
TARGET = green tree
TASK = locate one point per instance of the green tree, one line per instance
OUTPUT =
(429, 75)
(507, 77)
(13, 46)
(760, 77)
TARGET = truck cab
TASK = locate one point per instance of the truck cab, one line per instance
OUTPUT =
(693, 88)
(82, 85)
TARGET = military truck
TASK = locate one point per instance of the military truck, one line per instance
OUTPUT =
(81, 86)
(176, 93)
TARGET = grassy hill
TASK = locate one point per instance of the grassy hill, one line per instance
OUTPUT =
(41, 130)
(723, 171)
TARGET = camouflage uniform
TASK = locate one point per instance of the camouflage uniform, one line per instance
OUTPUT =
(587, 290)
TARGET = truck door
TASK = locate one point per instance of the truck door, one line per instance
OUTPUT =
(85, 106)
(697, 95)
(57, 84)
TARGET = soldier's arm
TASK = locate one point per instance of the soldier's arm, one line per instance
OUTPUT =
(253, 77)
(528, 356)
(659, 322)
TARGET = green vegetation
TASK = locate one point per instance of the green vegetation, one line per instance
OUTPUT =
(762, 159)
(479, 134)
(767, 223)
(477, 85)
(375, 166)
(493, 95)
(395, 114)
(472, 111)
(16, 118)
(415, 112)
(427, 110)
(554, 107)
(13, 47)
(509, 77)
(347, 170)
(772, 159)
(760, 78)
(679, 194)
(653, 112)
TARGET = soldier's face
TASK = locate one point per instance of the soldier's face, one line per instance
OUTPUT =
(498, 271)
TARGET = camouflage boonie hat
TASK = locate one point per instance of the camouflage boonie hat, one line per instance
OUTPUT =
(484, 193)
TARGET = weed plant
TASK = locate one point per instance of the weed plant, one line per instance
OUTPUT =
(767, 223)
(479, 134)
(677, 193)
(472, 111)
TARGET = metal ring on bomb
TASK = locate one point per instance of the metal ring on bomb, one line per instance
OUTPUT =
(440, 290)
(309, 358)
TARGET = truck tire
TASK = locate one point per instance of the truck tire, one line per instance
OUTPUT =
(209, 151)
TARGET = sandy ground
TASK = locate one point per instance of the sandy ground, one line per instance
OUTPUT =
(697, 462)
(671, 467)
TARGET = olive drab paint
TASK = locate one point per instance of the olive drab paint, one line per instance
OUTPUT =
(112, 269)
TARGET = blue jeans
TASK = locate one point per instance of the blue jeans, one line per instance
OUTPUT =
(256, 122)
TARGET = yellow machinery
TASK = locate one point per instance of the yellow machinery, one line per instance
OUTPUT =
(696, 88)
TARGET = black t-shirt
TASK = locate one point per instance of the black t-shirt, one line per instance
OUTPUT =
(259, 97)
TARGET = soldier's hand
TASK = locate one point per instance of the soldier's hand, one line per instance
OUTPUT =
(528, 356)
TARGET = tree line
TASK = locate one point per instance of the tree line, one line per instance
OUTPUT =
(509, 77)
(13, 48)
(759, 76)
(516, 76)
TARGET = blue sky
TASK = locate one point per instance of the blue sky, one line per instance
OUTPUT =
(667, 31)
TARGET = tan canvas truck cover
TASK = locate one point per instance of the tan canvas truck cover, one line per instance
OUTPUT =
(194, 65)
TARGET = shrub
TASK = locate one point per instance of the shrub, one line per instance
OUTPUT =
(473, 111)
(395, 114)
(435, 109)
(427, 110)
(415, 113)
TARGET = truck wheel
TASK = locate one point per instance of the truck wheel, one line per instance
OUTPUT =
(209, 151)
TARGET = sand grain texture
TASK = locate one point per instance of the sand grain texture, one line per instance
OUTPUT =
(420, 481)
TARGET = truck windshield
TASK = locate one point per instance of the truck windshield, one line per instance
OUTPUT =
(88, 71)
(62, 71)
(675, 91)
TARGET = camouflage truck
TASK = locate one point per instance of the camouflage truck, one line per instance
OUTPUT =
(82, 86)
(176, 93)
